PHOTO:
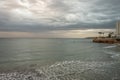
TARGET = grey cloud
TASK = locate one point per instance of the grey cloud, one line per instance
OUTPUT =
(59, 5)
(4, 18)
(109, 8)
(58, 14)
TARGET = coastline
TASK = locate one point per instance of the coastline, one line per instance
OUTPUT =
(106, 40)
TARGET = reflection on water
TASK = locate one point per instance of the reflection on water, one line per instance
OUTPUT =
(58, 59)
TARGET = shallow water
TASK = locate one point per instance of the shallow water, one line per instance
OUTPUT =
(58, 59)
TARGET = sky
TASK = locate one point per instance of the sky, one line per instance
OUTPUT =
(57, 18)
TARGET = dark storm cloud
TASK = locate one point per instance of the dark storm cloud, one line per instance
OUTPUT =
(39, 15)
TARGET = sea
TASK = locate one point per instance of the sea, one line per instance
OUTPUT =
(58, 59)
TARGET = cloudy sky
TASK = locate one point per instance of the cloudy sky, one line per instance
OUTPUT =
(57, 18)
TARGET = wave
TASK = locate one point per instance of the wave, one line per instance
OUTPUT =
(67, 70)
(112, 54)
(110, 46)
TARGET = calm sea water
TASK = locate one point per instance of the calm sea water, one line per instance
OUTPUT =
(58, 59)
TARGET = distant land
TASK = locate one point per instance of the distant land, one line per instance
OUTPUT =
(89, 37)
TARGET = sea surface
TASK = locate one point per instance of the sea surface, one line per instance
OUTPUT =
(58, 59)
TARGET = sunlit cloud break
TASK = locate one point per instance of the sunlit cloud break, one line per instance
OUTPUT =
(56, 34)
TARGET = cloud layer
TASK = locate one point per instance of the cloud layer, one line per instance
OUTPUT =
(52, 15)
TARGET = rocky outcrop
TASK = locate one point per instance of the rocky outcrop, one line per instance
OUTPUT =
(105, 40)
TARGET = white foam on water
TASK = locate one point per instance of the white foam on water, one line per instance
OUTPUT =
(67, 70)
(116, 56)
(113, 54)
(109, 52)
(110, 46)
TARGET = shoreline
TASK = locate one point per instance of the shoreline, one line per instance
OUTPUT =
(106, 40)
